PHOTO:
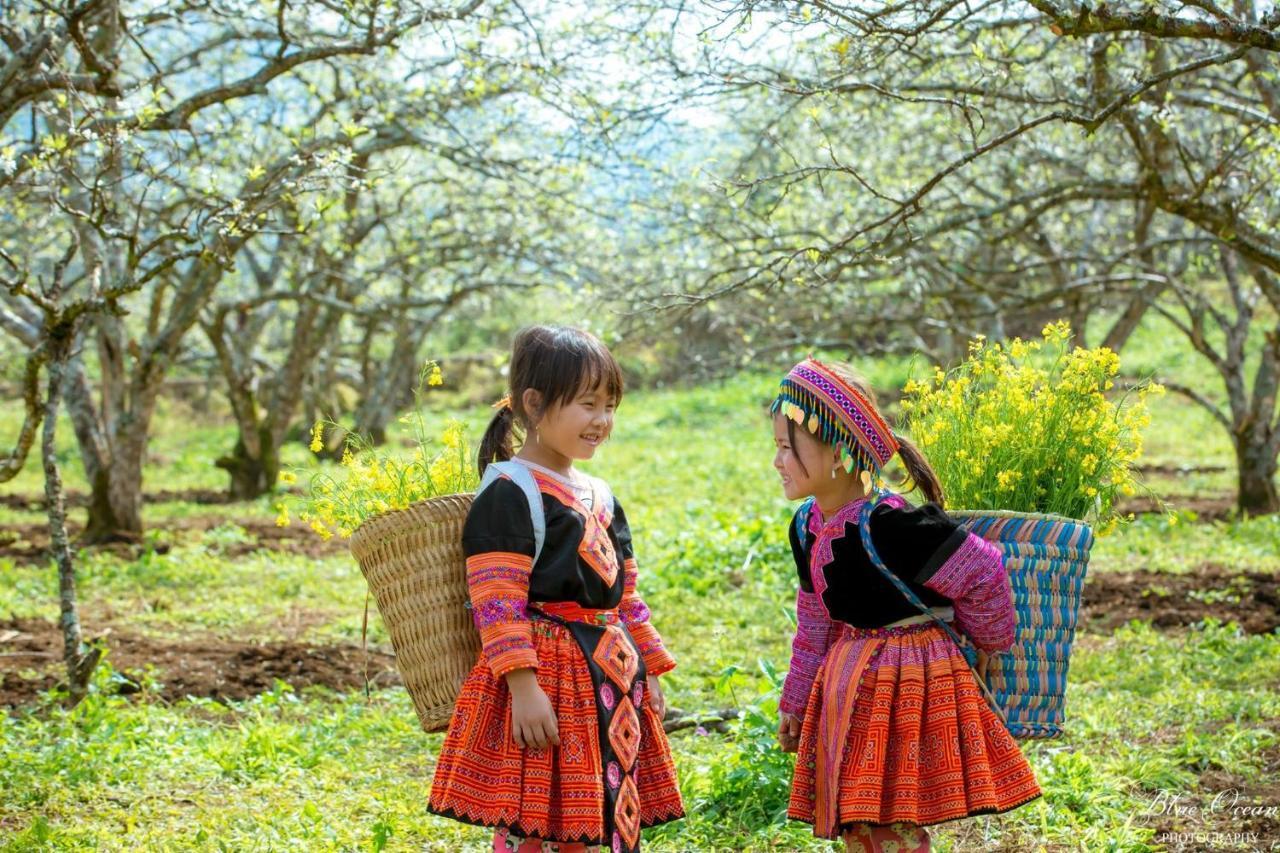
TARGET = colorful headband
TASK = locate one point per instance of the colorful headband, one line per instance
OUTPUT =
(504, 403)
(813, 396)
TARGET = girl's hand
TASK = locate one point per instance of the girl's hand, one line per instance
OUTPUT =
(788, 731)
(533, 720)
(657, 701)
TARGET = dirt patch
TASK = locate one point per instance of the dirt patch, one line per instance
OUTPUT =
(1170, 601)
(1176, 470)
(30, 661)
(1206, 507)
(206, 497)
(28, 544)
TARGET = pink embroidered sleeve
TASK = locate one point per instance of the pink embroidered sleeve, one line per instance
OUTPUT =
(635, 613)
(975, 580)
(813, 636)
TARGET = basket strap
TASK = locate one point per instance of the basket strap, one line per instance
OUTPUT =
(864, 529)
(802, 524)
(522, 477)
(602, 495)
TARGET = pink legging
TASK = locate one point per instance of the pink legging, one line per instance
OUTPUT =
(505, 842)
(905, 838)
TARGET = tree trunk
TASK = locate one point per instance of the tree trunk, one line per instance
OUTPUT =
(104, 523)
(1256, 483)
(1127, 323)
(252, 476)
(389, 388)
(80, 663)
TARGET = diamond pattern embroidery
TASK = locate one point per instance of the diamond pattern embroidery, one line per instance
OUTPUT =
(616, 656)
(626, 813)
(596, 550)
(624, 735)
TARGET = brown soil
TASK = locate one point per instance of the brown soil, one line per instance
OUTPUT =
(1175, 470)
(1206, 507)
(208, 497)
(1170, 601)
(30, 661)
(27, 544)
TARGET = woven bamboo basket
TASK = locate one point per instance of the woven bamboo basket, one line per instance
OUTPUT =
(1046, 557)
(413, 561)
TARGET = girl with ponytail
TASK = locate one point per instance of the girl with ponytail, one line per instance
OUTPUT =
(889, 721)
(556, 739)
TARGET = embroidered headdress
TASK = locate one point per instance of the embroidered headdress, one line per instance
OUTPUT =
(818, 399)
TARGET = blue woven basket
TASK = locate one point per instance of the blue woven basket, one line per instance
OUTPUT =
(1046, 557)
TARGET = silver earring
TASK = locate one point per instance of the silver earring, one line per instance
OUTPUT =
(833, 472)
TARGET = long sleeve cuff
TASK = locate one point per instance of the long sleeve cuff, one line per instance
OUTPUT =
(499, 585)
(657, 660)
(635, 615)
(975, 580)
(813, 635)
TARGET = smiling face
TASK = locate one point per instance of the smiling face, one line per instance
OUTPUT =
(574, 429)
(805, 465)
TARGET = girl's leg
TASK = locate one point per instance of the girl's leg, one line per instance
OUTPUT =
(506, 842)
(893, 838)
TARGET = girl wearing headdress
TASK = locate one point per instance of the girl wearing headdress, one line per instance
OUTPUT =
(556, 739)
(890, 726)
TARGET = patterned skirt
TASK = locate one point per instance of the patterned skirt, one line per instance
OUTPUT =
(897, 730)
(610, 776)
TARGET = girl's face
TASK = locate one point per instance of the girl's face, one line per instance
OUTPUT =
(802, 468)
(576, 428)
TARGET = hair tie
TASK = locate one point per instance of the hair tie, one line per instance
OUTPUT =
(504, 403)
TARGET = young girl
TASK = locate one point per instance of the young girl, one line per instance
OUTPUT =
(892, 731)
(556, 739)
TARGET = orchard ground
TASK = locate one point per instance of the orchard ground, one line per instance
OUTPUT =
(238, 710)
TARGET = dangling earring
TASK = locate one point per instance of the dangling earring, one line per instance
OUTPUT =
(833, 471)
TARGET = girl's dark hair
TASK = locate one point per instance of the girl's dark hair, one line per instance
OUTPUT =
(920, 471)
(558, 362)
(918, 468)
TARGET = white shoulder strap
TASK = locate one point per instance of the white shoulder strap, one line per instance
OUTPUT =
(603, 494)
(522, 477)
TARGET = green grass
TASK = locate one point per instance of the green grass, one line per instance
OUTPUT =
(1148, 711)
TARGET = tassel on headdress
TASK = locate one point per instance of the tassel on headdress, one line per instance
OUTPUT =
(813, 396)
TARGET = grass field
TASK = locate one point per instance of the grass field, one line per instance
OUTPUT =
(1176, 710)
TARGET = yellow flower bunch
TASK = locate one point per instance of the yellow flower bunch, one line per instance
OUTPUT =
(1029, 426)
(372, 480)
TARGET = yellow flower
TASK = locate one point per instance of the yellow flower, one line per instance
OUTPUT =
(452, 436)
(1010, 414)
(434, 375)
(317, 440)
(282, 515)
(288, 478)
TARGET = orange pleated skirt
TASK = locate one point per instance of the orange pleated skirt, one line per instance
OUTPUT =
(897, 731)
(556, 793)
